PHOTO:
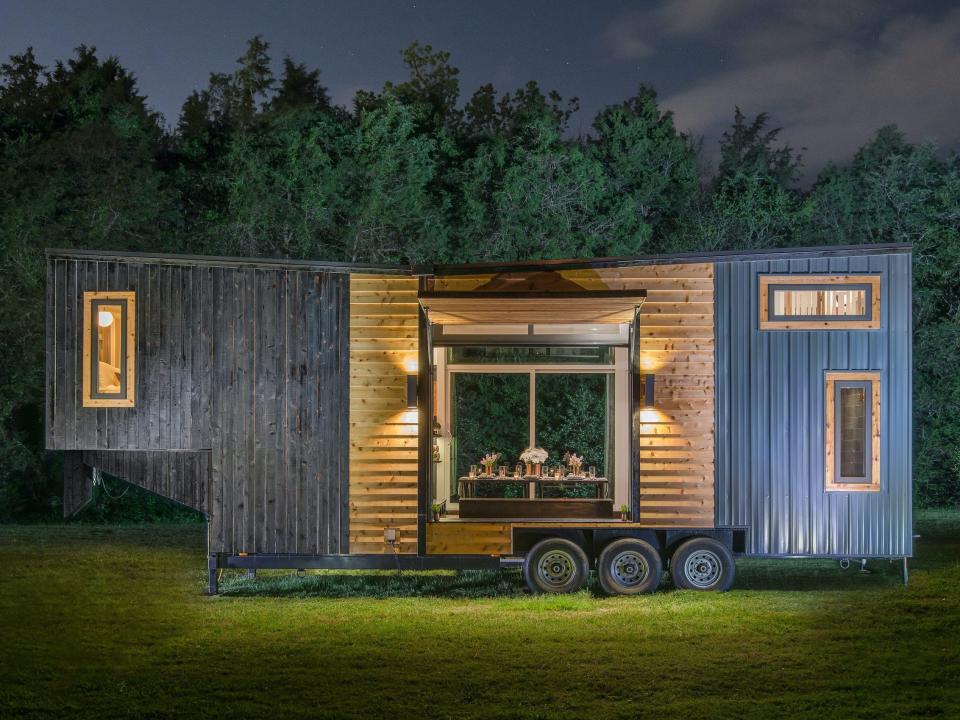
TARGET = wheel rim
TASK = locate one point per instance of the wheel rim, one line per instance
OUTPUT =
(703, 568)
(556, 568)
(629, 568)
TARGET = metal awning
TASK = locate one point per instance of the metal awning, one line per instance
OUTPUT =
(587, 306)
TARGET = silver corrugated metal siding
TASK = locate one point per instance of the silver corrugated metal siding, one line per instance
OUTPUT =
(770, 417)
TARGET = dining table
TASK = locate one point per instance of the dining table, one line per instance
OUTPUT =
(535, 484)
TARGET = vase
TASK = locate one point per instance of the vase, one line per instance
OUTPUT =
(537, 469)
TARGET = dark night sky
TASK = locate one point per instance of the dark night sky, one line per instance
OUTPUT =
(829, 71)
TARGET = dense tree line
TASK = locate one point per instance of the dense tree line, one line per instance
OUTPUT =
(270, 166)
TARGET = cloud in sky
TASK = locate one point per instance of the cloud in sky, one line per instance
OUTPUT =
(829, 73)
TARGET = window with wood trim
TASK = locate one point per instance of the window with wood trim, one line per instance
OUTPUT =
(109, 343)
(819, 302)
(852, 431)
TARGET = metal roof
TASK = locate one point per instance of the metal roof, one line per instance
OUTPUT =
(489, 267)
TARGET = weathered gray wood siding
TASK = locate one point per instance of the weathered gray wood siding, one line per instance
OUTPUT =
(247, 364)
(770, 416)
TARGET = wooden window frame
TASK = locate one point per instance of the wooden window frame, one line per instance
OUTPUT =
(128, 302)
(839, 322)
(831, 427)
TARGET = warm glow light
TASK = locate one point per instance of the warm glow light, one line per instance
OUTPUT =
(648, 364)
(104, 318)
(409, 417)
(652, 415)
(411, 365)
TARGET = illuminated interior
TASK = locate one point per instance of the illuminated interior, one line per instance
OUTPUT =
(823, 302)
(109, 349)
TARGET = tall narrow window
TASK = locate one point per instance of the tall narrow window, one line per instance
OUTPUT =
(819, 302)
(109, 340)
(852, 431)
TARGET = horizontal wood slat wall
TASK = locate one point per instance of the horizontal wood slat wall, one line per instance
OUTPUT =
(383, 432)
(676, 438)
(469, 538)
(677, 344)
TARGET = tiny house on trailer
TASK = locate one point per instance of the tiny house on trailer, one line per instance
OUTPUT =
(324, 415)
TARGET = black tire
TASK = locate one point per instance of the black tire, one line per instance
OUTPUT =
(629, 567)
(555, 565)
(703, 564)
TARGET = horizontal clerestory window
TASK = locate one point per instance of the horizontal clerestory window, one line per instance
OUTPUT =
(819, 302)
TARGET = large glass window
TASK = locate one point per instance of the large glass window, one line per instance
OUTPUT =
(506, 399)
(574, 413)
(852, 431)
(108, 349)
(489, 413)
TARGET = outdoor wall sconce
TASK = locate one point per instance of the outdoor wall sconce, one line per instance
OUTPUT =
(411, 391)
(649, 390)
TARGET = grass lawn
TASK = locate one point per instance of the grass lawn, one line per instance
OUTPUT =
(101, 622)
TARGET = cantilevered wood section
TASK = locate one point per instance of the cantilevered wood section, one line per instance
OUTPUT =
(468, 538)
(383, 432)
(585, 306)
(676, 437)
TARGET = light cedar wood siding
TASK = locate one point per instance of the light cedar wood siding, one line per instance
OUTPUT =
(383, 432)
(676, 440)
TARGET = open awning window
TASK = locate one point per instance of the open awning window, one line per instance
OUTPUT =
(587, 306)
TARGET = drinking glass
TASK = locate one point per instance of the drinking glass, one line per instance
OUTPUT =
(592, 471)
(473, 471)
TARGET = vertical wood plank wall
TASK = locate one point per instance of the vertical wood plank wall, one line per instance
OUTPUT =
(383, 432)
(247, 364)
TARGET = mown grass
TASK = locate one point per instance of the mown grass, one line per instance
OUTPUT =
(101, 622)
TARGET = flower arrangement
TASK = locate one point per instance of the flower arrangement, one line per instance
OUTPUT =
(533, 457)
(536, 455)
(488, 461)
(574, 461)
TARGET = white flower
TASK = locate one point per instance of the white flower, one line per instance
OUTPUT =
(534, 455)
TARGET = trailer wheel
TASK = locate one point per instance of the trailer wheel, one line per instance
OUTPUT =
(555, 565)
(629, 567)
(703, 564)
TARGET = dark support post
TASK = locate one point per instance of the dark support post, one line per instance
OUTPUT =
(634, 390)
(252, 573)
(212, 570)
(425, 427)
(905, 572)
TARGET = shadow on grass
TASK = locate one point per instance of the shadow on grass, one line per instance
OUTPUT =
(379, 584)
(937, 547)
(779, 575)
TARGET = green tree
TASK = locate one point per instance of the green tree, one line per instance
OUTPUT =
(894, 191)
(651, 168)
(78, 168)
